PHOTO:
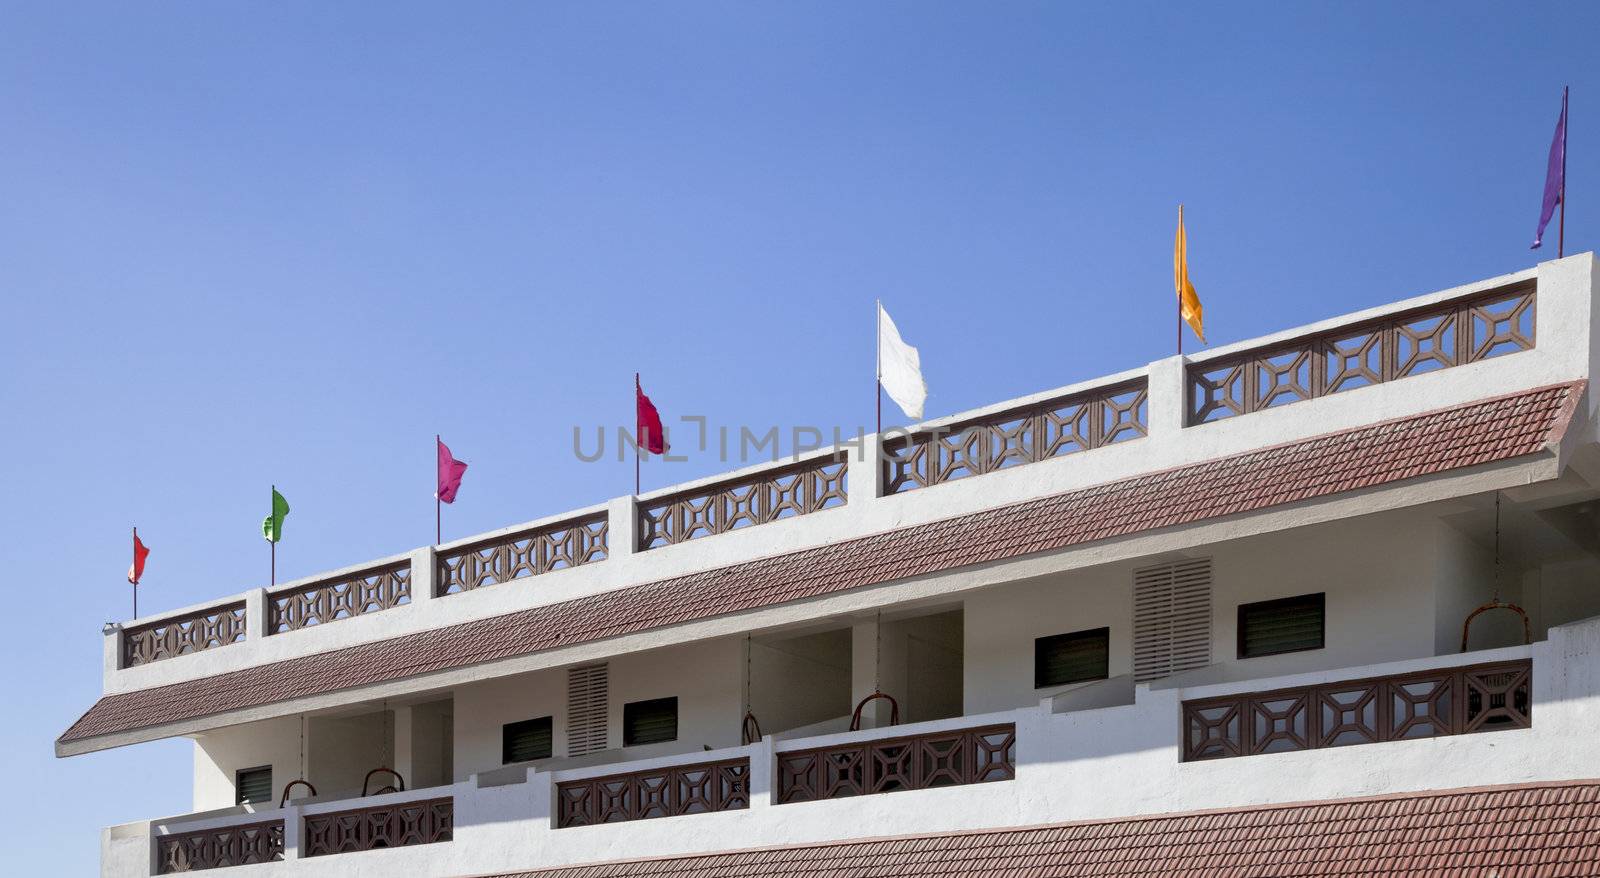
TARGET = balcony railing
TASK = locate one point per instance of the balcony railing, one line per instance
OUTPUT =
(916, 762)
(1423, 704)
(191, 632)
(1028, 434)
(223, 846)
(532, 552)
(771, 495)
(1411, 343)
(670, 791)
(386, 826)
(342, 597)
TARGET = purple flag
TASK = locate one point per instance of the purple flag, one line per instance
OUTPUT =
(1555, 176)
(450, 472)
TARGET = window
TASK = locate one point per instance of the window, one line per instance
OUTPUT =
(251, 785)
(650, 722)
(526, 740)
(1284, 625)
(588, 703)
(1171, 618)
(1071, 658)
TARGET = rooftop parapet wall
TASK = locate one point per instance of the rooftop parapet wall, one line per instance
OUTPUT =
(1130, 423)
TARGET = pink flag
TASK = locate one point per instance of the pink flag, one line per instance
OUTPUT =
(647, 422)
(450, 472)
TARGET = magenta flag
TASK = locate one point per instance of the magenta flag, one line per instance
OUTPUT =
(450, 473)
(647, 421)
(1555, 174)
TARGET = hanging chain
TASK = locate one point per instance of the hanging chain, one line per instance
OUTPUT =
(747, 674)
(877, 655)
(1497, 547)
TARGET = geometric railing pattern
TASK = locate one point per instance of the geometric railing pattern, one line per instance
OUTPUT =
(1028, 434)
(700, 788)
(359, 593)
(387, 826)
(1424, 704)
(558, 546)
(768, 496)
(173, 636)
(917, 762)
(223, 846)
(1398, 346)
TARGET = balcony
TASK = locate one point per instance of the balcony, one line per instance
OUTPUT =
(1097, 750)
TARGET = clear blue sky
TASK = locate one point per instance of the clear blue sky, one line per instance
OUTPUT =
(245, 244)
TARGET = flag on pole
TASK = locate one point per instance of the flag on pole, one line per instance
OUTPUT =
(648, 431)
(1555, 175)
(272, 525)
(900, 368)
(1188, 300)
(450, 473)
(136, 569)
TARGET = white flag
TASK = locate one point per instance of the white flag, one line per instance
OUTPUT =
(900, 368)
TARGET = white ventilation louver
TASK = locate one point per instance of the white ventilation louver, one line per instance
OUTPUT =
(1171, 618)
(588, 707)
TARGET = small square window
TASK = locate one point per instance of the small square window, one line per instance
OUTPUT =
(526, 740)
(1284, 625)
(650, 722)
(1072, 658)
(252, 785)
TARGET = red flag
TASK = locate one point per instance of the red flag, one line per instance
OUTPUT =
(647, 424)
(450, 473)
(136, 569)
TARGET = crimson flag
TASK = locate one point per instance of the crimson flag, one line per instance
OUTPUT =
(136, 569)
(647, 423)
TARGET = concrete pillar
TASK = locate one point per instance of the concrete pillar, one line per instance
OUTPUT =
(255, 614)
(864, 466)
(424, 575)
(404, 759)
(763, 786)
(111, 649)
(1168, 396)
(622, 527)
(291, 833)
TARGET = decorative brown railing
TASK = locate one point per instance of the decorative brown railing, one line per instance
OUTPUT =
(318, 603)
(916, 762)
(1398, 346)
(700, 788)
(1027, 434)
(1425, 704)
(571, 543)
(386, 826)
(772, 495)
(171, 637)
(223, 846)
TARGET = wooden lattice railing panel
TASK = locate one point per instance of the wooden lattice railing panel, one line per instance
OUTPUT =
(1424, 704)
(386, 826)
(200, 630)
(330, 600)
(772, 495)
(531, 552)
(916, 762)
(1027, 434)
(700, 788)
(222, 846)
(1411, 343)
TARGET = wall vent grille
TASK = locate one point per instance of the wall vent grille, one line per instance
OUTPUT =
(588, 708)
(1171, 618)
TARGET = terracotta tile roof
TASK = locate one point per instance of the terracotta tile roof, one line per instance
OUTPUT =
(1510, 832)
(1480, 432)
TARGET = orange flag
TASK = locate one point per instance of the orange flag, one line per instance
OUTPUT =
(1188, 300)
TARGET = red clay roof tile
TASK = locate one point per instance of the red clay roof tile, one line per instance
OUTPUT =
(1488, 430)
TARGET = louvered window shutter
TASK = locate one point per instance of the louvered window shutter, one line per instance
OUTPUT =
(253, 785)
(525, 741)
(588, 706)
(650, 722)
(1284, 625)
(1171, 618)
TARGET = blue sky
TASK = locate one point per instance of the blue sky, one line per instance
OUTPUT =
(246, 244)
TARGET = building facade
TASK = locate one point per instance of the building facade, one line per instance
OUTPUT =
(1317, 603)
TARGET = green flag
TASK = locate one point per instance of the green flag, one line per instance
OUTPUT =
(272, 525)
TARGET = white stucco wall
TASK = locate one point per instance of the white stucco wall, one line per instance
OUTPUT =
(219, 755)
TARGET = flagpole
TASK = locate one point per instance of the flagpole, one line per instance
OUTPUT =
(135, 578)
(637, 438)
(1566, 124)
(878, 369)
(1180, 291)
(272, 508)
(437, 528)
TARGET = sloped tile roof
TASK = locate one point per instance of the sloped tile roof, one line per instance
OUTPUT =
(1530, 831)
(1466, 435)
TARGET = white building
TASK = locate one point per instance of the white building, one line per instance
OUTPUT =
(1205, 617)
